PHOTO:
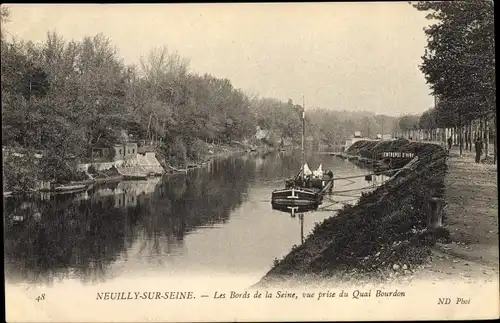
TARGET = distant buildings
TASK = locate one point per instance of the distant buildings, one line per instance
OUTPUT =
(129, 159)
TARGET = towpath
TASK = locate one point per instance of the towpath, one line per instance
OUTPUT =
(471, 217)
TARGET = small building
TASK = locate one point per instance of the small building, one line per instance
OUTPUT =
(124, 151)
(115, 152)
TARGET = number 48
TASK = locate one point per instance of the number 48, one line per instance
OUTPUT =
(40, 298)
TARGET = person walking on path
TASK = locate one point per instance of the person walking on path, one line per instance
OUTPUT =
(479, 149)
(450, 142)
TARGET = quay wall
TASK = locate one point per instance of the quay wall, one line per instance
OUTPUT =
(100, 166)
(140, 163)
(384, 234)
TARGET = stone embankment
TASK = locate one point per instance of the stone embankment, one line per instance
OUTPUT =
(386, 234)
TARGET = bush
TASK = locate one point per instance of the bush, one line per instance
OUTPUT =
(197, 150)
(19, 174)
(56, 168)
(175, 153)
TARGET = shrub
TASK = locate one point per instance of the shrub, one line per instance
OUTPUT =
(19, 174)
(175, 153)
(197, 150)
(56, 168)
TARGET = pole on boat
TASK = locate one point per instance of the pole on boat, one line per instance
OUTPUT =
(303, 135)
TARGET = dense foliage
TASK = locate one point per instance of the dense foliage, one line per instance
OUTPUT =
(64, 97)
(459, 61)
(459, 66)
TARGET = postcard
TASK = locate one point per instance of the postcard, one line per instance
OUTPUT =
(249, 162)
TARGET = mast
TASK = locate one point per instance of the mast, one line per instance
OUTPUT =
(303, 135)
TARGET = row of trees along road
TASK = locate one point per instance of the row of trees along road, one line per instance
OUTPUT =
(459, 66)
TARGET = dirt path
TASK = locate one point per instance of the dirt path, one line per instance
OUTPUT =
(471, 216)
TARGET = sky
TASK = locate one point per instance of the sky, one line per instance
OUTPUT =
(340, 56)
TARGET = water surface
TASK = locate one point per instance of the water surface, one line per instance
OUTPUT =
(215, 220)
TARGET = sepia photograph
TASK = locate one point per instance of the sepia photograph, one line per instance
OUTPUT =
(319, 161)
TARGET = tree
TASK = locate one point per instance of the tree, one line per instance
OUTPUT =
(384, 123)
(459, 61)
(459, 57)
(408, 122)
(428, 120)
(368, 126)
(4, 18)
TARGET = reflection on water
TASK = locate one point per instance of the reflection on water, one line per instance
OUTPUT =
(297, 210)
(214, 219)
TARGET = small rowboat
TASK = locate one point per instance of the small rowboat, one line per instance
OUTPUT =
(135, 177)
(72, 188)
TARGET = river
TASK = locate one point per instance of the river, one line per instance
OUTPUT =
(215, 221)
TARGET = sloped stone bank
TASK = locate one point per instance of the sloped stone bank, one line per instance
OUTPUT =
(384, 233)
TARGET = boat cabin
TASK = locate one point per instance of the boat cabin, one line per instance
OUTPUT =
(317, 179)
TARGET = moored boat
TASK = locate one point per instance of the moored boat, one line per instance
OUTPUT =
(307, 187)
(296, 196)
(304, 190)
(71, 188)
(135, 177)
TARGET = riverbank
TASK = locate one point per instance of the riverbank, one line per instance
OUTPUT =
(383, 236)
(211, 152)
(22, 178)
